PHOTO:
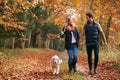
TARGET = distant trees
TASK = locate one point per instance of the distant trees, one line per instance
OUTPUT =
(27, 26)
(30, 24)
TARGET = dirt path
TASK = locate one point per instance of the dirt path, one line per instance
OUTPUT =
(107, 70)
(37, 66)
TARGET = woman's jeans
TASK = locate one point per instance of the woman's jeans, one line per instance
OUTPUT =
(94, 47)
(72, 56)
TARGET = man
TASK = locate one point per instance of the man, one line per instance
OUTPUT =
(91, 30)
(71, 43)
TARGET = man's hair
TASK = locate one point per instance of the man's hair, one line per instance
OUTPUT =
(89, 15)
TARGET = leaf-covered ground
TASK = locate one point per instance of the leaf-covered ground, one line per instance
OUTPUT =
(36, 65)
(107, 70)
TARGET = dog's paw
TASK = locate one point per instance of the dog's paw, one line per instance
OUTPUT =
(53, 73)
(57, 73)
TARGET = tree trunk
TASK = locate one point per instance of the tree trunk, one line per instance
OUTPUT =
(33, 40)
(29, 39)
(13, 43)
(23, 43)
(4, 41)
(51, 43)
(108, 26)
(47, 43)
(58, 47)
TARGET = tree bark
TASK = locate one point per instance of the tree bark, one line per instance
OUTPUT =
(29, 38)
(23, 43)
(58, 47)
(47, 43)
(107, 28)
(4, 41)
(13, 43)
(51, 43)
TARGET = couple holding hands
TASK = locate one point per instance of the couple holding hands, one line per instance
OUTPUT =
(91, 31)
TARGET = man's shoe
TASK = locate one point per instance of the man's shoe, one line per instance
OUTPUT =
(75, 70)
(95, 71)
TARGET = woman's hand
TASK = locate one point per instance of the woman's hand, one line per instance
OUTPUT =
(70, 27)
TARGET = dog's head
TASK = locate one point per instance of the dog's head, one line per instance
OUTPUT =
(56, 60)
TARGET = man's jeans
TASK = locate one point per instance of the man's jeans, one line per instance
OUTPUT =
(94, 47)
(72, 56)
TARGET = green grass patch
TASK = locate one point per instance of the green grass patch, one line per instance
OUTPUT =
(105, 54)
(117, 65)
(9, 56)
(9, 53)
(69, 76)
(10, 61)
(109, 54)
(35, 50)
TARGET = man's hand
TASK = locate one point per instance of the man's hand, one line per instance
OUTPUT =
(81, 43)
(105, 44)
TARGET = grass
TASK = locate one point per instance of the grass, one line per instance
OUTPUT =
(105, 54)
(8, 58)
(8, 53)
(69, 76)
(109, 54)
(117, 65)
(34, 50)
(65, 75)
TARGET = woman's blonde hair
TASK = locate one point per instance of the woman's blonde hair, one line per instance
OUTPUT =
(69, 18)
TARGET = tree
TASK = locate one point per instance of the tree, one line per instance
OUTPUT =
(49, 29)
(39, 19)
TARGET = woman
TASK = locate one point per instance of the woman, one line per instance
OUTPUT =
(71, 43)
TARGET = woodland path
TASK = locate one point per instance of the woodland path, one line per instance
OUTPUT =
(37, 66)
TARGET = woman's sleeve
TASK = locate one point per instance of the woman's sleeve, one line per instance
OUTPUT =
(62, 33)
